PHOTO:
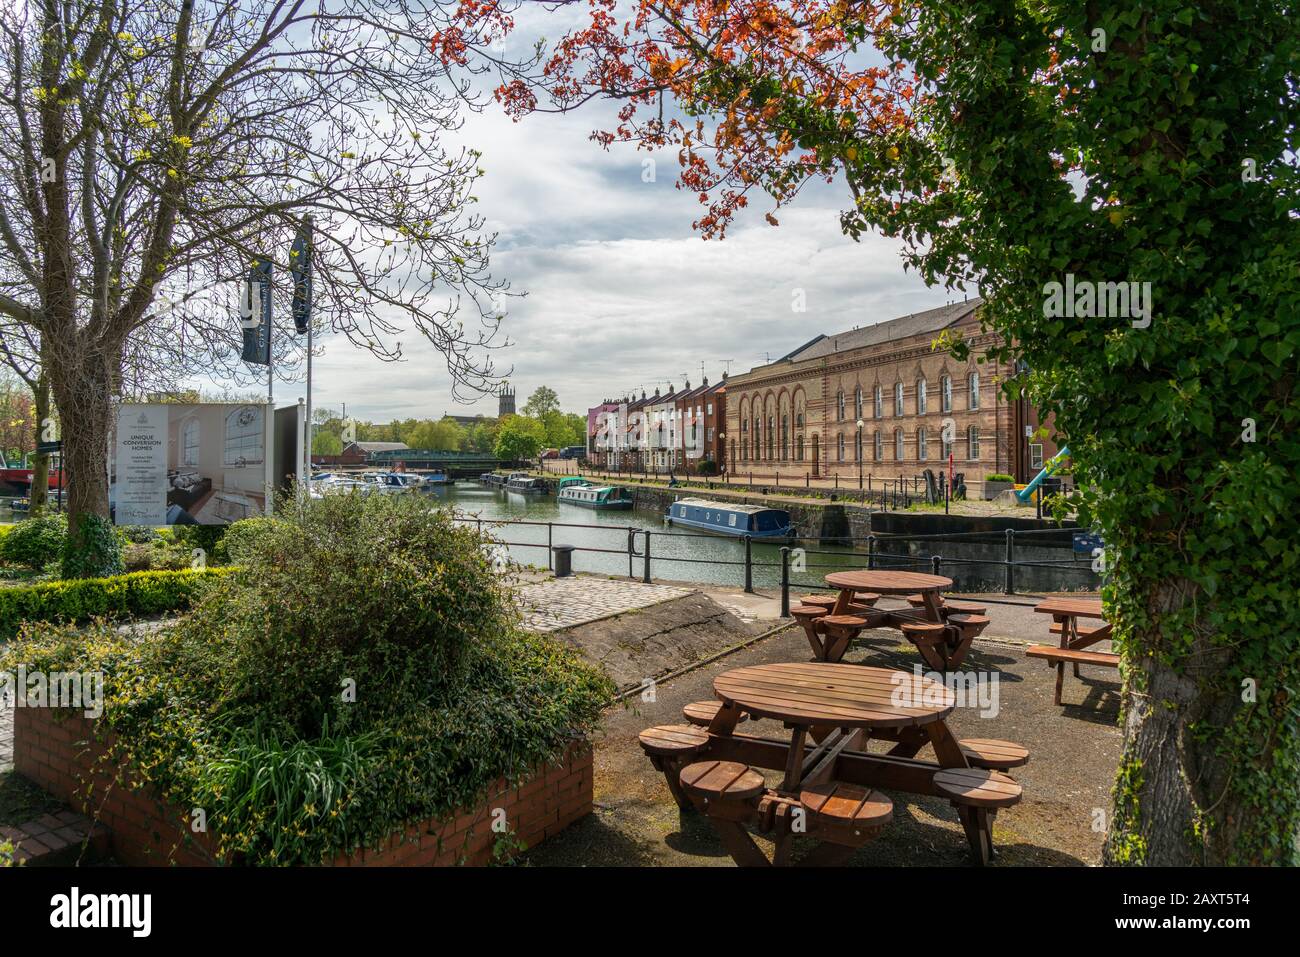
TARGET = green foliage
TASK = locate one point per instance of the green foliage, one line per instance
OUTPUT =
(707, 467)
(519, 439)
(34, 542)
(242, 536)
(93, 549)
(542, 402)
(206, 537)
(1167, 158)
(81, 599)
(242, 709)
(998, 477)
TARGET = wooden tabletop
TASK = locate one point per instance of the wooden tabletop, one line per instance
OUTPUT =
(887, 582)
(1075, 607)
(848, 696)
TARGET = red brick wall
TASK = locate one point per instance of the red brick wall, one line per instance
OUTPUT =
(55, 750)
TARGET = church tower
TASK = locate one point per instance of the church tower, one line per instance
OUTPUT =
(505, 400)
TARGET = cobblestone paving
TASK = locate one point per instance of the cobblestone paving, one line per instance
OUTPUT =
(555, 603)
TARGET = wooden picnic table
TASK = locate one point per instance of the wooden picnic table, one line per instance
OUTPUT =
(942, 642)
(1066, 613)
(828, 789)
(832, 711)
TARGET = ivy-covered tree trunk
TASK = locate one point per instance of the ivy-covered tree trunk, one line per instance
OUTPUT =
(40, 463)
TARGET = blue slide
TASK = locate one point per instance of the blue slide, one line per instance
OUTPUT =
(1025, 493)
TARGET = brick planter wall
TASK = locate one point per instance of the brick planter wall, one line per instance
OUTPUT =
(56, 749)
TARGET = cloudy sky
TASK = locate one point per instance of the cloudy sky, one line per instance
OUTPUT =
(621, 294)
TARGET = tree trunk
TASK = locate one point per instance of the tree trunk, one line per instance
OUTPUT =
(1175, 803)
(84, 382)
(40, 463)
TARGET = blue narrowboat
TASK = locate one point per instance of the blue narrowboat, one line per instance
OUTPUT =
(727, 518)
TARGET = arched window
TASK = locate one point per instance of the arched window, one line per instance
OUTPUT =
(945, 394)
(857, 402)
(190, 443)
(840, 456)
(922, 398)
(974, 390)
(798, 448)
(921, 452)
(839, 404)
(898, 445)
(898, 398)
(946, 439)
(785, 437)
(879, 404)
(244, 439)
(744, 450)
(877, 447)
(973, 443)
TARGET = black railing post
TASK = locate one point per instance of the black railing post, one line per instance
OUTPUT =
(935, 562)
(550, 544)
(785, 581)
(871, 552)
(1008, 583)
(749, 566)
(631, 550)
(645, 574)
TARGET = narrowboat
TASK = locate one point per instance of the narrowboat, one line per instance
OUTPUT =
(726, 518)
(523, 482)
(571, 480)
(605, 497)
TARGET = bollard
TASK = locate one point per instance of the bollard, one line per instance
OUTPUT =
(935, 562)
(871, 552)
(645, 573)
(563, 560)
(1008, 583)
(785, 581)
(749, 566)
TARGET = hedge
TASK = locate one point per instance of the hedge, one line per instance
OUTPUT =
(80, 599)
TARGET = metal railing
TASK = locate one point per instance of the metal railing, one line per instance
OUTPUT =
(874, 557)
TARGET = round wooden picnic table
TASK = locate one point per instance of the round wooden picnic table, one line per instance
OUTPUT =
(807, 694)
(889, 583)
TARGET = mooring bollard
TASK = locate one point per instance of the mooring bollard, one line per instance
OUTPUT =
(871, 552)
(563, 560)
(645, 573)
(785, 581)
(749, 566)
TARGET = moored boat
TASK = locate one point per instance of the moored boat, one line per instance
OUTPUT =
(523, 482)
(604, 497)
(726, 518)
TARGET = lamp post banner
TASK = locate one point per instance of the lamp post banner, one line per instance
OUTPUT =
(257, 325)
(300, 267)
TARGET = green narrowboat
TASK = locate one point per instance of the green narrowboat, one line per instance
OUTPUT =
(605, 497)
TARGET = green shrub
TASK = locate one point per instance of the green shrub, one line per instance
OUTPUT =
(242, 536)
(138, 534)
(80, 599)
(998, 477)
(707, 467)
(362, 669)
(35, 542)
(206, 537)
(94, 551)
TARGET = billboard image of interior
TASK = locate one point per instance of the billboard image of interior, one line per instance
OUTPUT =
(201, 464)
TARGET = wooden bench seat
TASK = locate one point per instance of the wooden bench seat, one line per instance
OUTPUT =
(971, 625)
(1084, 630)
(994, 755)
(965, 608)
(1054, 654)
(725, 790)
(702, 713)
(846, 813)
(803, 613)
(672, 740)
(825, 601)
(977, 787)
(977, 794)
(924, 632)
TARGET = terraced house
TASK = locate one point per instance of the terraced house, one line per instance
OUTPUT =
(874, 401)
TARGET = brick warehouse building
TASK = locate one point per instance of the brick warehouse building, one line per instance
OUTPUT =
(800, 414)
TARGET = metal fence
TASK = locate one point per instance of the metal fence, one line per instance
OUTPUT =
(641, 553)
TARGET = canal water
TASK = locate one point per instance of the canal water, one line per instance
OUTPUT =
(602, 541)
